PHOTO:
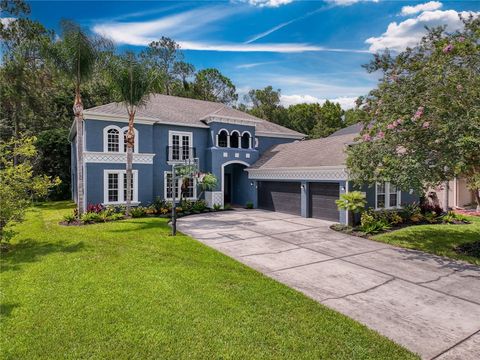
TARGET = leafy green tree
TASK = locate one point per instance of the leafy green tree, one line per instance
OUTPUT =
(53, 160)
(134, 83)
(328, 121)
(162, 57)
(183, 71)
(76, 55)
(211, 85)
(355, 116)
(265, 104)
(18, 185)
(426, 113)
(302, 117)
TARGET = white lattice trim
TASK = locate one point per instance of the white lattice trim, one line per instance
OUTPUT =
(319, 173)
(214, 197)
(115, 158)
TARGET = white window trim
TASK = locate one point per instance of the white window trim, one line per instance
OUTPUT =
(239, 139)
(121, 142)
(165, 174)
(218, 136)
(121, 200)
(170, 143)
(249, 139)
(387, 198)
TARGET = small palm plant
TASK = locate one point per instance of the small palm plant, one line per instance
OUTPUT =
(353, 202)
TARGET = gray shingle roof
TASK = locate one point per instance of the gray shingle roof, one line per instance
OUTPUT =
(329, 151)
(185, 111)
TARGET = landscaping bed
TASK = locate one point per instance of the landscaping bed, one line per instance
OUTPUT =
(449, 234)
(127, 289)
(98, 213)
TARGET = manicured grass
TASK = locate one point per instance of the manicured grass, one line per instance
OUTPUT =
(436, 239)
(128, 290)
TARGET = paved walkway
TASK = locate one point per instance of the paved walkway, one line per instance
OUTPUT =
(428, 304)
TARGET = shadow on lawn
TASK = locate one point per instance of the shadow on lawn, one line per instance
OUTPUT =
(29, 251)
(6, 309)
(129, 226)
(444, 262)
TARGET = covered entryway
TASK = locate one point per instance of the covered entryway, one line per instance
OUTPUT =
(236, 187)
(279, 196)
(322, 196)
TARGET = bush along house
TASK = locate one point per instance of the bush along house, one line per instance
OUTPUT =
(255, 161)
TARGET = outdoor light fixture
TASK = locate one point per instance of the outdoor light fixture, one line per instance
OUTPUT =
(251, 183)
(342, 188)
(302, 186)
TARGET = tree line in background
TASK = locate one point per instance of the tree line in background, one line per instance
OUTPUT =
(36, 93)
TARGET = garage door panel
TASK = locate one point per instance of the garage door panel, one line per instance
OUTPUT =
(322, 200)
(279, 196)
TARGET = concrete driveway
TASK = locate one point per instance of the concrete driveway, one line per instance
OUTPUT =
(426, 303)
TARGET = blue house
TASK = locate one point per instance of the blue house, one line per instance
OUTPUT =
(254, 160)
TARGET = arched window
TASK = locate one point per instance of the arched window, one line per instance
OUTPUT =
(235, 139)
(222, 138)
(246, 140)
(113, 140)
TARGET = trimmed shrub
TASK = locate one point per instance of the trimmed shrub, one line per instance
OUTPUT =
(249, 205)
(137, 212)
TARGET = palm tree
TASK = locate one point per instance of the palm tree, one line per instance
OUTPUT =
(134, 84)
(75, 55)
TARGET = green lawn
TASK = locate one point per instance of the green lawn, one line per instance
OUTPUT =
(128, 290)
(436, 239)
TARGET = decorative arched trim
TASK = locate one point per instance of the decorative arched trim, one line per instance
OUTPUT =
(223, 174)
(105, 138)
(239, 139)
(249, 144)
(227, 144)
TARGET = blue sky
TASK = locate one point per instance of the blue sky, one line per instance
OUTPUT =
(311, 50)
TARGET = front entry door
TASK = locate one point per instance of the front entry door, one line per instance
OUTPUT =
(227, 188)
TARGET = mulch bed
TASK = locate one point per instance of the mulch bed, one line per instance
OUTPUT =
(470, 212)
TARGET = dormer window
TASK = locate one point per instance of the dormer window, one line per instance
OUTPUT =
(113, 140)
(235, 139)
(222, 140)
(246, 140)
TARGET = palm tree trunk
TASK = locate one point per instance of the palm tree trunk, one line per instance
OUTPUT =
(78, 112)
(130, 143)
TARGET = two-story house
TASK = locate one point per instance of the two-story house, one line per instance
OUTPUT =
(170, 130)
(254, 160)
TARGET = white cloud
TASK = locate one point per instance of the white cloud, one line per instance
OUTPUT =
(429, 6)
(269, 3)
(409, 32)
(252, 65)
(266, 47)
(349, 2)
(345, 102)
(143, 32)
(286, 23)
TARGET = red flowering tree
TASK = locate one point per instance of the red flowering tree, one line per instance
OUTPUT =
(424, 118)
